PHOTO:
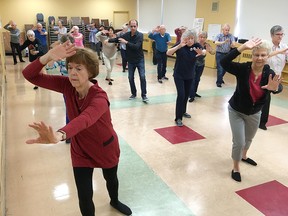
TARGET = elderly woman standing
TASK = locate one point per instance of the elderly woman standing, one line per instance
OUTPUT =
(78, 37)
(109, 51)
(187, 50)
(255, 82)
(94, 142)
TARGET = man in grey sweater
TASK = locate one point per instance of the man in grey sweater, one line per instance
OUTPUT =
(14, 41)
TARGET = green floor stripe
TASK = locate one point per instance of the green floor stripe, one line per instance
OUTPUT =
(143, 190)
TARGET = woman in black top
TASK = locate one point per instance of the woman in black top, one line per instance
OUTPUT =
(255, 81)
(187, 50)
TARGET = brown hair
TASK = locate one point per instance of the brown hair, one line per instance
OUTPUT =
(88, 58)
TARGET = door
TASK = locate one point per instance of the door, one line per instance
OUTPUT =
(119, 18)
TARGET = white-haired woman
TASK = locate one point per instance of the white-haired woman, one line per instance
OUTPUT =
(35, 48)
(255, 81)
(78, 37)
(187, 50)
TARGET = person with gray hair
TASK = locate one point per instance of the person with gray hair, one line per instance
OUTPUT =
(187, 50)
(41, 34)
(277, 63)
(162, 39)
(224, 42)
(255, 81)
(14, 40)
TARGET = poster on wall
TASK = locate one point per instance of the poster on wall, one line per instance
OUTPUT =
(213, 31)
(198, 24)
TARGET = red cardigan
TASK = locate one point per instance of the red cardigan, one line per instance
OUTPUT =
(94, 143)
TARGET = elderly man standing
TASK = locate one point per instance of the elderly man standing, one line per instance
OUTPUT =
(162, 39)
(41, 34)
(14, 40)
(276, 63)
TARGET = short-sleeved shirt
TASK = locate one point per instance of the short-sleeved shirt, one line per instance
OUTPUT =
(226, 47)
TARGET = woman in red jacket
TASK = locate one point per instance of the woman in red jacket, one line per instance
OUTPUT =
(94, 143)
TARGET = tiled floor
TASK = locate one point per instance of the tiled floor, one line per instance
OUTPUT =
(157, 178)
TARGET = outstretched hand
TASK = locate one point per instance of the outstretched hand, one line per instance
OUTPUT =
(273, 83)
(46, 134)
(250, 44)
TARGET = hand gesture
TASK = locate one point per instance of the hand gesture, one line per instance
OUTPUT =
(273, 83)
(45, 132)
(198, 51)
(250, 44)
(62, 51)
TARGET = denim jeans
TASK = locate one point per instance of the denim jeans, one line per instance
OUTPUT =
(131, 72)
(220, 69)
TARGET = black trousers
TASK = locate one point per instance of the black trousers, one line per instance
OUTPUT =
(83, 179)
(265, 111)
(16, 47)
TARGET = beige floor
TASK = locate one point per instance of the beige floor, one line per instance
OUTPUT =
(156, 177)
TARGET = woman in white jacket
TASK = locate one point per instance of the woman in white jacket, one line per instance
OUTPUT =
(109, 51)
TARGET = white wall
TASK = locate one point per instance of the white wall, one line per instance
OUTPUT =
(256, 17)
(175, 14)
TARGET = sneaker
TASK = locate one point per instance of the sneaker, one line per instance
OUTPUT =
(35, 87)
(197, 95)
(179, 122)
(160, 81)
(165, 78)
(219, 85)
(132, 97)
(22, 60)
(186, 115)
(145, 99)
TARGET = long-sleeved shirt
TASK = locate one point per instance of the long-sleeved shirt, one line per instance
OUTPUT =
(277, 62)
(109, 49)
(241, 100)
(14, 34)
(33, 45)
(134, 47)
(94, 143)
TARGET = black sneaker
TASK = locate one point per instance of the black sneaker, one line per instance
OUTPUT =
(160, 81)
(35, 87)
(132, 97)
(179, 123)
(191, 100)
(165, 78)
(197, 95)
(263, 127)
(186, 115)
(145, 99)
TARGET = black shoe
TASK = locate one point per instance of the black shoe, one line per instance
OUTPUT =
(219, 85)
(121, 207)
(132, 97)
(191, 100)
(236, 176)
(165, 78)
(197, 95)
(263, 127)
(22, 60)
(123, 70)
(160, 81)
(109, 83)
(179, 122)
(223, 82)
(249, 161)
(35, 87)
(145, 99)
(109, 79)
(15, 63)
(186, 115)
(68, 141)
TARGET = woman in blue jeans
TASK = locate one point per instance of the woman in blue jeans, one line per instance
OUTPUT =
(187, 50)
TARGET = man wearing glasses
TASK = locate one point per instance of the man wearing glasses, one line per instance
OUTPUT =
(276, 63)
(135, 58)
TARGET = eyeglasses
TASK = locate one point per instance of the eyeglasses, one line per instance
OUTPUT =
(133, 26)
(280, 34)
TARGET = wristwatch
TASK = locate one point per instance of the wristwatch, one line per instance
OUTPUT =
(63, 135)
